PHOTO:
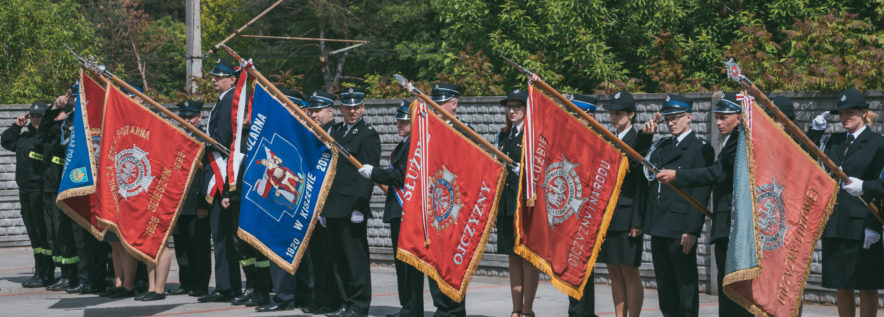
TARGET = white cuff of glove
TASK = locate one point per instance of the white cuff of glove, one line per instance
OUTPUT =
(322, 222)
(517, 168)
(855, 187)
(820, 122)
(357, 217)
(365, 171)
(871, 237)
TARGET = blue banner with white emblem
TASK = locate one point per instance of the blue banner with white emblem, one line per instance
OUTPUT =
(288, 173)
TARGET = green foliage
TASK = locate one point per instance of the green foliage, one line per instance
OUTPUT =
(33, 62)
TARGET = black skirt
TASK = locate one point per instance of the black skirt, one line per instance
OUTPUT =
(846, 265)
(506, 234)
(621, 249)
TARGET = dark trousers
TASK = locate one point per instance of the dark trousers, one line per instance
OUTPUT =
(254, 264)
(193, 251)
(326, 292)
(350, 253)
(32, 215)
(446, 307)
(726, 306)
(676, 275)
(61, 237)
(409, 281)
(92, 267)
(227, 278)
(289, 288)
(585, 306)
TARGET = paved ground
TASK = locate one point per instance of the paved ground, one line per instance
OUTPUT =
(487, 296)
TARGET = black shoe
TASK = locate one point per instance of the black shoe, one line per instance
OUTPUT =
(348, 313)
(177, 291)
(152, 296)
(241, 299)
(122, 293)
(109, 291)
(260, 299)
(318, 310)
(274, 307)
(337, 313)
(34, 282)
(197, 293)
(77, 289)
(139, 296)
(93, 290)
(215, 297)
(59, 285)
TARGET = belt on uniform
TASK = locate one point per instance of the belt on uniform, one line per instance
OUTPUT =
(57, 160)
(35, 155)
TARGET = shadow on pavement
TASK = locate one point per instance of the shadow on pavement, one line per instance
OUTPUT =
(128, 311)
(81, 302)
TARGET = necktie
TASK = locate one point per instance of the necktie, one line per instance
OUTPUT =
(850, 139)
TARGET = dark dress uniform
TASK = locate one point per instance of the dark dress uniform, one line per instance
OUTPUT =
(326, 290)
(60, 226)
(846, 265)
(510, 143)
(28, 171)
(668, 216)
(874, 188)
(721, 176)
(409, 280)
(227, 279)
(254, 264)
(351, 192)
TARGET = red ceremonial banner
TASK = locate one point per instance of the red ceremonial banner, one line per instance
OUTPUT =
(791, 198)
(79, 202)
(146, 168)
(576, 177)
(449, 203)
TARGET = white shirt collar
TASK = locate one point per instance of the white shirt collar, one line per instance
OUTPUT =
(221, 96)
(858, 132)
(518, 128)
(623, 134)
(682, 136)
(726, 137)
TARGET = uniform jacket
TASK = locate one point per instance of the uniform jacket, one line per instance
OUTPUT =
(630, 210)
(874, 188)
(350, 191)
(219, 128)
(510, 143)
(393, 177)
(721, 177)
(51, 132)
(864, 160)
(28, 155)
(668, 215)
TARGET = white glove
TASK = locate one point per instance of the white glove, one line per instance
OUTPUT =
(517, 168)
(357, 217)
(819, 123)
(872, 237)
(365, 171)
(855, 187)
(322, 222)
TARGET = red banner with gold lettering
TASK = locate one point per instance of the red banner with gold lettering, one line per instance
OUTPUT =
(575, 176)
(449, 203)
(146, 168)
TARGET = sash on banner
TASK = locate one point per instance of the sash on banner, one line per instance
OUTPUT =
(576, 180)
(146, 168)
(77, 187)
(240, 112)
(287, 177)
(782, 201)
(450, 202)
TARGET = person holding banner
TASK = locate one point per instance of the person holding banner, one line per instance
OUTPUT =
(21, 138)
(858, 187)
(326, 292)
(622, 250)
(523, 275)
(409, 280)
(192, 237)
(347, 205)
(227, 279)
(721, 176)
(852, 250)
(675, 225)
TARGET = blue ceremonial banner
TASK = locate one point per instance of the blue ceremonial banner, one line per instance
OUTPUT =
(288, 173)
(75, 192)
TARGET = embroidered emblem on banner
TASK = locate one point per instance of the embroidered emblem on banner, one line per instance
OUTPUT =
(78, 175)
(771, 215)
(563, 191)
(133, 172)
(286, 184)
(446, 199)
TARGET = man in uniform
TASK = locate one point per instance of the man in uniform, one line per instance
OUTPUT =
(227, 279)
(287, 287)
(22, 139)
(675, 225)
(347, 206)
(445, 95)
(327, 296)
(192, 234)
(409, 280)
(585, 306)
(721, 176)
